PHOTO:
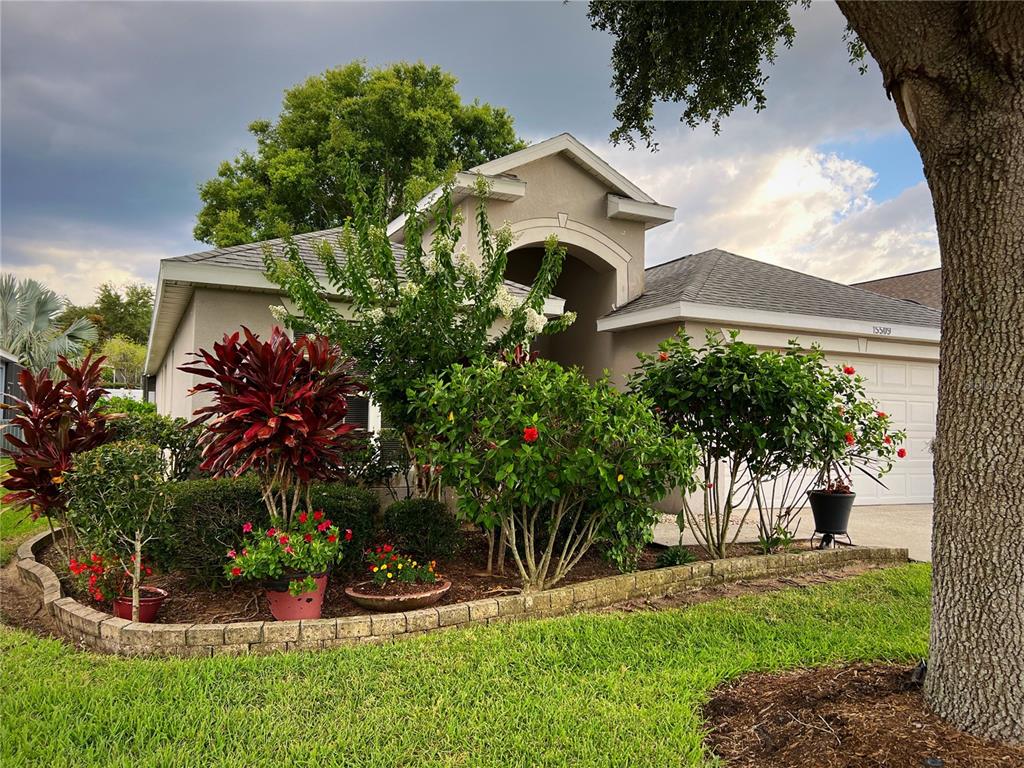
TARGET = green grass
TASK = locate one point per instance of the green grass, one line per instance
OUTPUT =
(15, 524)
(588, 690)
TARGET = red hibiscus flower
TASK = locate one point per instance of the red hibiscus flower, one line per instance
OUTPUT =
(348, 534)
(530, 434)
(236, 571)
(850, 439)
(303, 517)
(902, 452)
(881, 414)
(663, 356)
(332, 538)
(888, 440)
(247, 528)
(849, 370)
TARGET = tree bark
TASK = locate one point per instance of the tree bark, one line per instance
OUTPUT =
(956, 74)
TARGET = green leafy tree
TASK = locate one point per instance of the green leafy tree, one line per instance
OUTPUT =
(403, 126)
(125, 361)
(115, 312)
(413, 321)
(552, 461)
(30, 328)
(955, 73)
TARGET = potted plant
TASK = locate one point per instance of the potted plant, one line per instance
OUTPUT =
(857, 437)
(278, 411)
(397, 583)
(117, 505)
(293, 566)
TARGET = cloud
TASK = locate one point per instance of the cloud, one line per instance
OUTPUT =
(74, 259)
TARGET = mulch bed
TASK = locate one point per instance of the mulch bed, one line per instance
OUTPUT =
(245, 601)
(858, 716)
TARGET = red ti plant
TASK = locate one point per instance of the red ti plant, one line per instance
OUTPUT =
(278, 409)
(57, 419)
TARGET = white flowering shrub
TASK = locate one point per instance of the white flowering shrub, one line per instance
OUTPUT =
(419, 312)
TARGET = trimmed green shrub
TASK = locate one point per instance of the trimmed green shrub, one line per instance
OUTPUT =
(174, 435)
(206, 521)
(422, 527)
(348, 507)
(124, 405)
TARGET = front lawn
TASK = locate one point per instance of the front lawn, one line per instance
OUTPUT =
(604, 689)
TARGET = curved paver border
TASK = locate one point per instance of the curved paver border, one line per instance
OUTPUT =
(100, 631)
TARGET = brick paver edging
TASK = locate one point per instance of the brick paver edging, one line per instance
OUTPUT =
(100, 631)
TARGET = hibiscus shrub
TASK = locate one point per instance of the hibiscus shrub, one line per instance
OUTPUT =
(552, 461)
(57, 419)
(180, 441)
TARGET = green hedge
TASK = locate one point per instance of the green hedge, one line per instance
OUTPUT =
(424, 528)
(207, 517)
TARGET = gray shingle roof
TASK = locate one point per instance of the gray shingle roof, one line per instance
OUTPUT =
(924, 287)
(723, 278)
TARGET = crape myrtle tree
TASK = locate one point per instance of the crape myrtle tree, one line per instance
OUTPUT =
(416, 313)
(955, 73)
(403, 126)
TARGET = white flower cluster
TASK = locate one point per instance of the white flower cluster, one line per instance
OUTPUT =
(374, 315)
(410, 289)
(280, 313)
(535, 321)
(505, 302)
(569, 318)
(376, 284)
(466, 264)
(430, 265)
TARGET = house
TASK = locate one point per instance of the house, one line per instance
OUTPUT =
(623, 306)
(923, 287)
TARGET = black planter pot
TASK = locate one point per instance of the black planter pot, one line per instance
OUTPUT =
(831, 511)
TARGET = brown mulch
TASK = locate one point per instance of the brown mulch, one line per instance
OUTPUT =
(21, 606)
(859, 716)
(245, 601)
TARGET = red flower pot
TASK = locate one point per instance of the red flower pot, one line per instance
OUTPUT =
(285, 606)
(150, 600)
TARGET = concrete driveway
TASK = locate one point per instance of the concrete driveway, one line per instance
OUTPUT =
(897, 525)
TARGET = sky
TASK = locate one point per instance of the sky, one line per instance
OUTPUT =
(111, 115)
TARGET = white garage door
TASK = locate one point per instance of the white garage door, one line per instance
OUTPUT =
(908, 392)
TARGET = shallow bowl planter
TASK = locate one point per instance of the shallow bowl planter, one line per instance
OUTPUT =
(407, 601)
(831, 511)
(286, 607)
(150, 600)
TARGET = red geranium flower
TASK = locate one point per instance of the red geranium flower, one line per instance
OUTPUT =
(236, 571)
(849, 370)
(530, 434)
(850, 439)
(901, 452)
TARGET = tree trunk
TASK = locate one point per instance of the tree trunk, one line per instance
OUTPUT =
(136, 576)
(956, 74)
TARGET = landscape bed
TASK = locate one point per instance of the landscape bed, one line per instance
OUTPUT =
(97, 630)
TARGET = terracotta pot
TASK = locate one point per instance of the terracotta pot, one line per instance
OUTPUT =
(409, 601)
(831, 511)
(150, 600)
(286, 607)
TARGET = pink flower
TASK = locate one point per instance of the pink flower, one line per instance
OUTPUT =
(271, 531)
(289, 550)
(247, 528)
(232, 554)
